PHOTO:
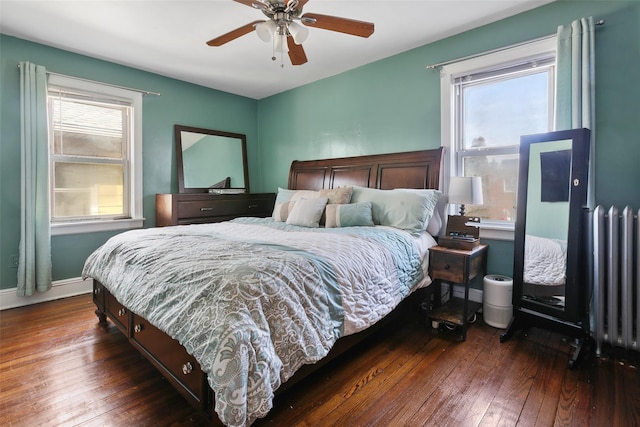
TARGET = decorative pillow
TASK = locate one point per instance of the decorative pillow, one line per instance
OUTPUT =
(307, 212)
(281, 211)
(407, 210)
(349, 215)
(338, 196)
(285, 195)
(305, 194)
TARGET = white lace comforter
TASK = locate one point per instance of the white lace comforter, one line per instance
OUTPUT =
(544, 261)
(253, 300)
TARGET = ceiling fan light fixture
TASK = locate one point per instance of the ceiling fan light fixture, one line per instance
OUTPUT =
(298, 32)
(280, 43)
(265, 29)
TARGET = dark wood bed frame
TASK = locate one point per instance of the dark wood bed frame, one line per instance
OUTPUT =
(416, 169)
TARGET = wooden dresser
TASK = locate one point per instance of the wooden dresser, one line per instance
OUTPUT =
(199, 208)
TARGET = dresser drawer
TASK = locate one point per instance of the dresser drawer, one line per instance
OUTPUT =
(178, 366)
(116, 311)
(448, 267)
(456, 265)
(178, 209)
(224, 208)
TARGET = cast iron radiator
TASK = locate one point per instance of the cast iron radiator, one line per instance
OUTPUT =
(616, 275)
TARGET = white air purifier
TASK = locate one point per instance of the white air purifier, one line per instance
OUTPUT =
(497, 294)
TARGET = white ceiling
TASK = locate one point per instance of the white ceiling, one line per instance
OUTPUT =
(168, 37)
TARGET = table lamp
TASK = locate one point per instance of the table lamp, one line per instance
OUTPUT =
(465, 190)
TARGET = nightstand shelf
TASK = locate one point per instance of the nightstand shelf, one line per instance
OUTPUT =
(451, 311)
(456, 266)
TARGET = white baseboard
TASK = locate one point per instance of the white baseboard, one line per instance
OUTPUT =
(59, 289)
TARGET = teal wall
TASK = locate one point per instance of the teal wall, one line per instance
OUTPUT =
(394, 104)
(390, 105)
(179, 103)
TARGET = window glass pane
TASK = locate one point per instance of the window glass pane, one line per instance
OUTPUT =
(83, 189)
(496, 113)
(85, 129)
(499, 184)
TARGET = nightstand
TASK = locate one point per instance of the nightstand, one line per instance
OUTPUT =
(456, 266)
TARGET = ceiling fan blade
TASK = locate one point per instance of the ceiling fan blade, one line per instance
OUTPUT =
(256, 4)
(300, 4)
(232, 35)
(296, 52)
(341, 25)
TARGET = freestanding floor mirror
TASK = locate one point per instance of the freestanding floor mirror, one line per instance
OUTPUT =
(550, 284)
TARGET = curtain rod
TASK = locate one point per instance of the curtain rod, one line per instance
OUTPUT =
(144, 92)
(500, 49)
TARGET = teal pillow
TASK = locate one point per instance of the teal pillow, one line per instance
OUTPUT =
(349, 215)
(407, 210)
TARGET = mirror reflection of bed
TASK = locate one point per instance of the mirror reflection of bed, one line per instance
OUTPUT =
(545, 270)
(547, 224)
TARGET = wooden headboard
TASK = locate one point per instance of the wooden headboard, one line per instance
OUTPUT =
(413, 169)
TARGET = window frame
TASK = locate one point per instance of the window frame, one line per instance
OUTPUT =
(133, 169)
(448, 74)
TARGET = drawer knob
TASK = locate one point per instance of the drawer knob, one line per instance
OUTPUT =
(447, 267)
(138, 327)
(97, 291)
(205, 209)
(122, 312)
(187, 368)
(253, 206)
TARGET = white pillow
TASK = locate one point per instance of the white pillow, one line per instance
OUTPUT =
(307, 212)
(434, 225)
(406, 209)
(281, 211)
(285, 200)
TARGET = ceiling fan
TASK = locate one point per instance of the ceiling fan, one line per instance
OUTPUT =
(288, 35)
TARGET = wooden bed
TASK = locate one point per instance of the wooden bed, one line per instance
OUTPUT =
(418, 170)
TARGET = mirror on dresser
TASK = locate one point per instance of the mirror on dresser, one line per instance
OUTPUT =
(550, 286)
(208, 158)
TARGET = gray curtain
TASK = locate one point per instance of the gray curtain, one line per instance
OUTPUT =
(34, 261)
(576, 81)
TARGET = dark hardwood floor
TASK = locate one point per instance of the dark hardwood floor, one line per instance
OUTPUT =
(57, 372)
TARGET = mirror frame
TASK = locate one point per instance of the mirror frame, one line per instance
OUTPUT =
(575, 284)
(178, 129)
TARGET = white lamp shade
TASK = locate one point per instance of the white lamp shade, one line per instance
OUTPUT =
(465, 190)
(265, 30)
(298, 32)
(280, 43)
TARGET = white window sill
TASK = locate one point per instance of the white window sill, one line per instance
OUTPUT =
(497, 231)
(64, 228)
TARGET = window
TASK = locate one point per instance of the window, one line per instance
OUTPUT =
(488, 103)
(94, 151)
